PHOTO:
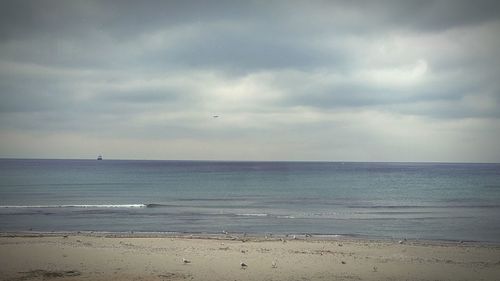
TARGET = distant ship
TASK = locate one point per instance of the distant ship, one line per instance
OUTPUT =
(99, 157)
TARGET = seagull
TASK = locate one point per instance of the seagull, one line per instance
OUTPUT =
(243, 265)
(215, 116)
(185, 260)
(274, 264)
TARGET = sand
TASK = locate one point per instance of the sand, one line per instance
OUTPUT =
(112, 257)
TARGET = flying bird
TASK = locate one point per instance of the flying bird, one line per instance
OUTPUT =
(215, 116)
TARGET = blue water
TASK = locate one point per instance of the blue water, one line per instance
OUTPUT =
(379, 200)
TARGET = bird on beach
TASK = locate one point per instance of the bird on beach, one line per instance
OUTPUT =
(243, 265)
(185, 260)
(273, 264)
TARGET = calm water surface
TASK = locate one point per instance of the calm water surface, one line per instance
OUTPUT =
(380, 200)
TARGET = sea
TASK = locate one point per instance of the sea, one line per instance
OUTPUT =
(423, 201)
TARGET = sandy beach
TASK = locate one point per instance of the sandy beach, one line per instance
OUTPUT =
(136, 257)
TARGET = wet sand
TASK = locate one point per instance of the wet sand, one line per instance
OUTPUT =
(148, 257)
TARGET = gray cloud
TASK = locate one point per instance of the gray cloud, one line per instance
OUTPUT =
(429, 15)
(284, 76)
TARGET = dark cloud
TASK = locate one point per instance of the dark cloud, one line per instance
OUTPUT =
(280, 34)
(128, 19)
(119, 19)
(244, 51)
(445, 14)
(426, 16)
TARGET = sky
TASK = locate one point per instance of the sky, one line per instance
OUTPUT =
(288, 80)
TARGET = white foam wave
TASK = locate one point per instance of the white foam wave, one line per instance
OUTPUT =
(78, 206)
(253, 215)
(285, 217)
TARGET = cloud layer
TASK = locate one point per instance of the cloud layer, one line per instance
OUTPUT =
(320, 80)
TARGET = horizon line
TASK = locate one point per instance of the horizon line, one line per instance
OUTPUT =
(229, 160)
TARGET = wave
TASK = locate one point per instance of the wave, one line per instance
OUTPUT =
(76, 206)
(446, 206)
(253, 215)
(155, 205)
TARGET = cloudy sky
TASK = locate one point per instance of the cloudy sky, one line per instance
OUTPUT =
(289, 80)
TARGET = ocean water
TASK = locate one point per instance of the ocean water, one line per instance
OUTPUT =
(436, 201)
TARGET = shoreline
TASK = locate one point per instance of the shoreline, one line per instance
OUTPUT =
(249, 237)
(237, 236)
